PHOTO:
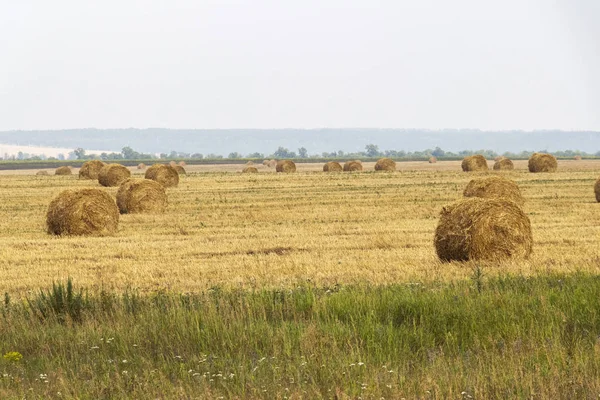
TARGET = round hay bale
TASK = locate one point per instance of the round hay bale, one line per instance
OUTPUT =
(597, 190)
(542, 162)
(182, 163)
(113, 175)
(577, 157)
(265, 162)
(42, 172)
(332, 166)
(483, 229)
(249, 170)
(141, 196)
(180, 170)
(141, 166)
(474, 163)
(249, 163)
(498, 158)
(504, 164)
(494, 187)
(286, 166)
(82, 212)
(355, 165)
(64, 170)
(272, 164)
(163, 174)
(385, 164)
(172, 163)
(90, 169)
(432, 160)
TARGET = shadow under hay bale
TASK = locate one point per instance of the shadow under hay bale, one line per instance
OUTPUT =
(286, 166)
(82, 212)
(597, 190)
(483, 229)
(43, 173)
(350, 166)
(250, 170)
(542, 162)
(474, 163)
(432, 160)
(163, 174)
(180, 170)
(141, 166)
(494, 187)
(90, 169)
(385, 164)
(63, 171)
(332, 166)
(113, 175)
(141, 196)
(503, 164)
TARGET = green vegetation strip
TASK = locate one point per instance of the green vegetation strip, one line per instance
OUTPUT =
(509, 337)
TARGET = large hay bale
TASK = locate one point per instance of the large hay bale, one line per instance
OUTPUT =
(542, 162)
(503, 164)
(249, 170)
(483, 229)
(141, 166)
(42, 172)
(90, 169)
(64, 170)
(474, 163)
(432, 160)
(385, 164)
(113, 175)
(597, 190)
(332, 166)
(141, 196)
(82, 212)
(163, 174)
(180, 170)
(355, 165)
(494, 187)
(286, 166)
(272, 164)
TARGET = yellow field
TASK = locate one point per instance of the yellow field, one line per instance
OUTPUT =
(267, 229)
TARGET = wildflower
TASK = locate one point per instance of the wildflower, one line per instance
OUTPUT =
(360, 364)
(13, 356)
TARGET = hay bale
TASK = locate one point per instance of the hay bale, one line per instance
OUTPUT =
(355, 165)
(172, 163)
(250, 163)
(163, 174)
(483, 229)
(332, 166)
(64, 170)
(432, 160)
(180, 170)
(141, 196)
(141, 166)
(385, 164)
(542, 162)
(113, 175)
(474, 163)
(90, 169)
(286, 166)
(503, 164)
(272, 164)
(82, 212)
(597, 190)
(494, 187)
(182, 163)
(265, 162)
(42, 172)
(577, 157)
(250, 170)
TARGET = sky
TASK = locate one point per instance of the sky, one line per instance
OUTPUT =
(485, 64)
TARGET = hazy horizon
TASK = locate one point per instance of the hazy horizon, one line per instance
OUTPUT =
(267, 64)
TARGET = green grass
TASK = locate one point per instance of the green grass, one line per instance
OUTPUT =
(509, 337)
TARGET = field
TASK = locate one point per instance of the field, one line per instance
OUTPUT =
(232, 243)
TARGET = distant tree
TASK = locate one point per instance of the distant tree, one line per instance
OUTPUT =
(256, 155)
(20, 155)
(302, 152)
(79, 153)
(372, 150)
(129, 153)
(61, 156)
(164, 155)
(197, 155)
(235, 154)
(173, 154)
(340, 153)
(281, 152)
(437, 152)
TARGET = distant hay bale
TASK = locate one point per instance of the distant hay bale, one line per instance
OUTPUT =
(385, 164)
(265, 162)
(577, 158)
(141, 166)
(332, 166)
(172, 163)
(249, 170)
(494, 187)
(163, 174)
(90, 169)
(542, 162)
(250, 163)
(180, 170)
(82, 212)
(483, 229)
(503, 164)
(474, 163)
(597, 190)
(355, 165)
(272, 164)
(498, 158)
(64, 170)
(432, 160)
(141, 196)
(42, 172)
(285, 166)
(182, 163)
(113, 175)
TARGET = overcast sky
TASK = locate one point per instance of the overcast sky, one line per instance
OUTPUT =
(485, 64)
